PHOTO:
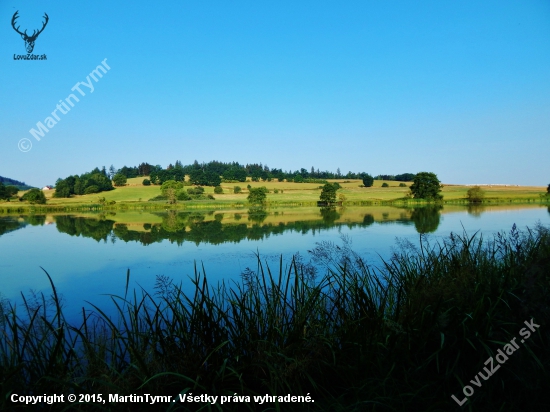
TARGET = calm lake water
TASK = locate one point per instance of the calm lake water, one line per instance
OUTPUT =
(88, 255)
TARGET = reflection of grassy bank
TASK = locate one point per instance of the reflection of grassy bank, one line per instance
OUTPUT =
(235, 225)
(406, 343)
(277, 215)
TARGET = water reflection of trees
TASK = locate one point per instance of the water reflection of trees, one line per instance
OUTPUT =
(368, 219)
(36, 220)
(10, 224)
(191, 226)
(426, 219)
(475, 209)
(329, 215)
(257, 214)
(98, 229)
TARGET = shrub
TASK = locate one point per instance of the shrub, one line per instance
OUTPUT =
(218, 190)
(159, 197)
(181, 195)
(146, 182)
(237, 189)
(368, 180)
(209, 196)
(311, 180)
(475, 194)
(196, 190)
(171, 189)
(34, 196)
(402, 185)
(91, 189)
(276, 191)
(119, 179)
(385, 184)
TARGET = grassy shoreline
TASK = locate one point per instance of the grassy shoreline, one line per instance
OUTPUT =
(405, 336)
(6, 208)
(135, 196)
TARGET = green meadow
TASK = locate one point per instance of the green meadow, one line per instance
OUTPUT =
(135, 195)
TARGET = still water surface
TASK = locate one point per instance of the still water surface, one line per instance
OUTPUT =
(88, 256)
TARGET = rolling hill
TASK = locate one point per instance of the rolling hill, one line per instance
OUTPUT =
(12, 182)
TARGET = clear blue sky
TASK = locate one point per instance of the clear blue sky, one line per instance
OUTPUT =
(459, 88)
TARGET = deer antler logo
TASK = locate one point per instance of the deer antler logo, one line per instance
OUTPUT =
(29, 40)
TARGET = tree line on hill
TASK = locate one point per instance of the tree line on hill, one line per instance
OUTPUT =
(214, 172)
(6, 181)
(405, 177)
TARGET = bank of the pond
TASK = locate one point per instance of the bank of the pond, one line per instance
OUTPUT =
(18, 208)
(407, 336)
(135, 195)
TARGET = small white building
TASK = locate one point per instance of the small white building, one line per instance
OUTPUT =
(48, 187)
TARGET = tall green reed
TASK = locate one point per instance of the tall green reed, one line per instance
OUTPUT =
(402, 336)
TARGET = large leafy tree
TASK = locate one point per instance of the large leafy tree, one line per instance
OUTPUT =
(235, 173)
(426, 186)
(170, 189)
(119, 179)
(328, 194)
(62, 189)
(213, 179)
(12, 190)
(257, 195)
(7, 191)
(198, 177)
(368, 180)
